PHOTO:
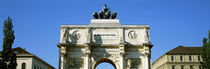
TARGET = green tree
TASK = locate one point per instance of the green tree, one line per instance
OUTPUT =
(206, 52)
(8, 60)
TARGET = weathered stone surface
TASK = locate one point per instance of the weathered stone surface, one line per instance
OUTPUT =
(105, 40)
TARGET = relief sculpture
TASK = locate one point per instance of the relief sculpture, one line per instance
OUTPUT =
(132, 34)
(134, 63)
(66, 35)
(75, 62)
(76, 34)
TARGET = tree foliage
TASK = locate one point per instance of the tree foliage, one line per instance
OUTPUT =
(8, 57)
(206, 52)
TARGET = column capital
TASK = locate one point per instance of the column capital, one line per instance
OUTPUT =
(146, 52)
(63, 54)
(87, 53)
(87, 48)
(63, 50)
(86, 44)
(149, 44)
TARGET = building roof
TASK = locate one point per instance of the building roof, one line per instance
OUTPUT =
(182, 50)
(20, 52)
(185, 50)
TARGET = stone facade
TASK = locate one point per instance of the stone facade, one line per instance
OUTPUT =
(104, 40)
(180, 58)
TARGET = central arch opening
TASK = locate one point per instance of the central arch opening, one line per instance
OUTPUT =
(105, 64)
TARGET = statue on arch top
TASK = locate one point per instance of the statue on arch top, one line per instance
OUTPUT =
(105, 14)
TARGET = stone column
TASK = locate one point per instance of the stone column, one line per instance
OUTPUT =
(87, 56)
(87, 61)
(122, 63)
(62, 55)
(122, 49)
(62, 61)
(147, 64)
(122, 53)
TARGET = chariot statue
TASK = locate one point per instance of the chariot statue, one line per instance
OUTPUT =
(105, 14)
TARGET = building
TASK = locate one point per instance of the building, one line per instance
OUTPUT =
(104, 40)
(180, 58)
(26, 60)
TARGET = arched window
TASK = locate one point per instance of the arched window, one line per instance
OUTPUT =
(23, 65)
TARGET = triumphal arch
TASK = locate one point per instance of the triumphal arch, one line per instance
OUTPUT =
(104, 40)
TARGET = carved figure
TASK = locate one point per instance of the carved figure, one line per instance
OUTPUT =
(76, 34)
(95, 15)
(114, 15)
(134, 63)
(105, 14)
(132, 34)
(75, 62)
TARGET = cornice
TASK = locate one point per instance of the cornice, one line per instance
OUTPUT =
(102, 46)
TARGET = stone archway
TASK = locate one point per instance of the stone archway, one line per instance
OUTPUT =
(104, 60)
(104, 40)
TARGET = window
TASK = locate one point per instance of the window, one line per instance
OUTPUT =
(182, 66)
(23, 65)
(199, 58)
(190, 58)
(191, 66)
(181, 58)
(172, 58)
(34, 66)
(173, 67)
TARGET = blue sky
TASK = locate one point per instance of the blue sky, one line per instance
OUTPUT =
(173, 22)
